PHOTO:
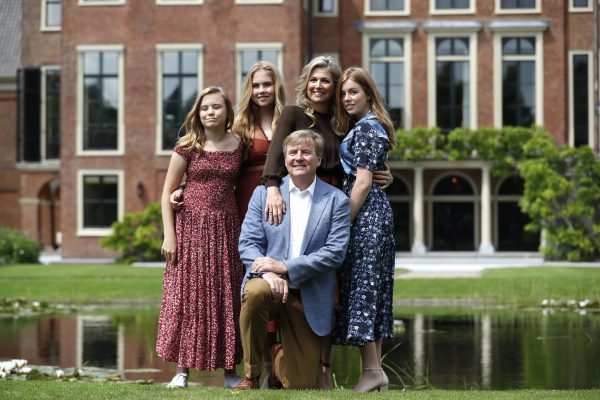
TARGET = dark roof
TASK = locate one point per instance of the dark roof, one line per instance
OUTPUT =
(10, 36)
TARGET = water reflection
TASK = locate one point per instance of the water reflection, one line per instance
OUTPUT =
(457, 350)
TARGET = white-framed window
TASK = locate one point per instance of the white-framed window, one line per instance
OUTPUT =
(178, 2)
(388, 58)
(325, 8)
(179, 80)
(50, 113)
(258, 1)
(249, 53)
(387, 7)
(452, 81)
(581, 98)
(101, 2)
(518, 79)
(50, 15)
(581, 5)
(100, 100)
(518, 6)
(100, 201)
(441, 7)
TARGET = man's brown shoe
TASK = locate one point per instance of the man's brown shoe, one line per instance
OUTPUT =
(248, 383)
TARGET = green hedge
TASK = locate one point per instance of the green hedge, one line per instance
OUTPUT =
(16, 248)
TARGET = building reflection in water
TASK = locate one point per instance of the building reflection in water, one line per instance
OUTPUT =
(466, 350)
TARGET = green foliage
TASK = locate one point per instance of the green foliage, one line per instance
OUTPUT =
(562, 187)
(138, 237)
(418, 144)
(16, 248)
(562, 193)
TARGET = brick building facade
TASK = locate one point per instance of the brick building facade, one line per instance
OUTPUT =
(114, 78)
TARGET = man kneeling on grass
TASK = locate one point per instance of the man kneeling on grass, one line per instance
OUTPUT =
(290, 268)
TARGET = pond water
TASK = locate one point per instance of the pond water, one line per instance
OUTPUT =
(444, 349)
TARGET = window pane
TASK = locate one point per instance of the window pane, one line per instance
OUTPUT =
(110, 63)
(395, 47)
(581, 99)
(190, 62)
(517, 4)
(580, 3)
(52, 114)
(518, 93)
(53, 13)
(451, 4)
(100, 208)
(377, 47)
(326, 6)
(91, 62)
(170, 62)
(387, 5)
(101, 101)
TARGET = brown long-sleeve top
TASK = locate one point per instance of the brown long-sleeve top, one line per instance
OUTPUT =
(292, 119)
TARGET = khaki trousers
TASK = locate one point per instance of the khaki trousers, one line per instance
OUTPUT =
(299, 365)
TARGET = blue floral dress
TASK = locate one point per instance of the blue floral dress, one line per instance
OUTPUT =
(366, 280)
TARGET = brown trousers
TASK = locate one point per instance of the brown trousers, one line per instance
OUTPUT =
(299, 366)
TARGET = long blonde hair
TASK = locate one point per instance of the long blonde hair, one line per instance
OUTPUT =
(366, 82)
(302, 99)
(247, 110)
(195, 137)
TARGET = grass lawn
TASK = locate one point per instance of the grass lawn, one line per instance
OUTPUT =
(85, 284)
(40, 390)
(81, 284)
(89, 284)
(520, 287)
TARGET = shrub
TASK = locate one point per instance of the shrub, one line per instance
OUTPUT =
(562, 193)
(16, 248)
(138, 237)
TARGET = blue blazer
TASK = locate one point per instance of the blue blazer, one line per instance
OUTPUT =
(322, 252)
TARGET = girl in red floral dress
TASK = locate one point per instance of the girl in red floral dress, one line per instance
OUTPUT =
(198, 325)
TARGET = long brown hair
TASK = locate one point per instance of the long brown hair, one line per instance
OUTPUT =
(343, 121)
(247, 110)
(195, 137)
(302, 100)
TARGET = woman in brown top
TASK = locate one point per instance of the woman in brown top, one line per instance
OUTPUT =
(314, 110)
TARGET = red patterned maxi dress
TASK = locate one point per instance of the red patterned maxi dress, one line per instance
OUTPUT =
(198, 326)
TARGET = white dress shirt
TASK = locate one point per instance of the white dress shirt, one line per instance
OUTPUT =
(300, 204)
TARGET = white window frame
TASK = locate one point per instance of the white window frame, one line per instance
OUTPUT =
(539, 73)
(161, 47)
(406, 59)
(591, 136)
(120, 150)
(43, 14)
(254, 46)
(334, 13)
(432, 81)
(574, 9)
(83, 231)
(244, 2)
(371, 13)
(178, 2)
(536, 10)
(433, 10)
(86, 3)
(43, 108)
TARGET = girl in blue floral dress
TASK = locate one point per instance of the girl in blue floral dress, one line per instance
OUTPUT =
(366, 279)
